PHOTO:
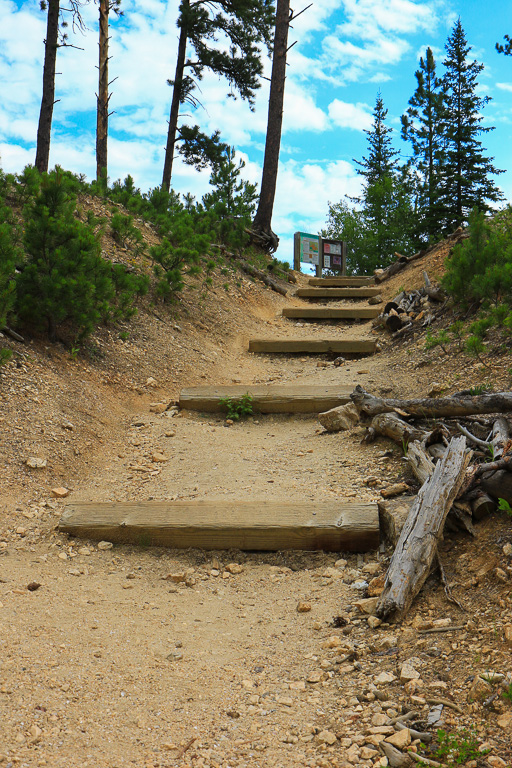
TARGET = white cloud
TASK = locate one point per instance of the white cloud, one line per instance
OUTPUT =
(355, 116)
(504, 86)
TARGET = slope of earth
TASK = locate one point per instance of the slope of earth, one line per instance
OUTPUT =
(118, 656)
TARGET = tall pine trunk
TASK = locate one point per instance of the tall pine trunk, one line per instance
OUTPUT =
(44, 128)
(176, 99)
(263, 218)
(103, 97)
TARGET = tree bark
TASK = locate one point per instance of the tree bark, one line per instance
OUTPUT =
(456, 405)
(263, 218)
(417, 545)
(103, 97)
(176, 100)
(44, 128)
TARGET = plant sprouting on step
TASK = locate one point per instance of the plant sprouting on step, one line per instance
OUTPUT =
(237, 408)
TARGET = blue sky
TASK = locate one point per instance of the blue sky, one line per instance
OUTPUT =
(346, 51)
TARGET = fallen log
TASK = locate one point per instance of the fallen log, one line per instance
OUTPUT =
(253, 271)
(433, 407)
(417, 545)
(392, 426)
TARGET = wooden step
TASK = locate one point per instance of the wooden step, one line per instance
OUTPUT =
(341, 282)
(331, 313)
(226, 524)
(313, 346)
(274, 398)
(337, 293)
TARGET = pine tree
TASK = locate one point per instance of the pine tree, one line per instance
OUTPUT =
(381, 161)
(103, 97)
(262, 224)
(55, 38)
(422, 126)
(246, 24)
(466, 183)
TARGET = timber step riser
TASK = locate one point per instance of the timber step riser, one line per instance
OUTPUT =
(326, 313)
(264, 526)
(337, 293)
(357, 347)
(267, 398)
(341, 282)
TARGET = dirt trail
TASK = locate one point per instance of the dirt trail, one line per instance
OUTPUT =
(157, 658)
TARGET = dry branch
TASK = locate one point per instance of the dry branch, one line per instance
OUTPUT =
(433, 407)
(417, 545)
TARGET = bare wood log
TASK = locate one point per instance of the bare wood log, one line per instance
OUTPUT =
(471, 437)
(462, 405)
(498, 484)
(433, 292)
(253, 271)
(16, 336)
(393, 322)
(482, 506)
(494, 466)
(392, 426)
(500, 436)
(419, 461)
(417, 546)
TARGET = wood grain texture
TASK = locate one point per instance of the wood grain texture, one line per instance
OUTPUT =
(417, 545)
(341, 282)
(331, 313)
(337, 293)
(225, 524)
(284, 398)
(313, 346)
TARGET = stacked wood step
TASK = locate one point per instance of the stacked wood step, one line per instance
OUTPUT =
(331, 313)
(313, 346)
(227, 524)
(282, 398)
(365, 292)
(341, 282)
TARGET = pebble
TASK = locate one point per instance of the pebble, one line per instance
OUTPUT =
(60, 493)
(159, 457)
(104, 545)
(480, 690)
(384, 677)
(303, 606)
(327, 737)
(234, 568)
(34, 462)
(407, 673)
(507, 550)
(315, 677)
(400, 739)
(331, 642)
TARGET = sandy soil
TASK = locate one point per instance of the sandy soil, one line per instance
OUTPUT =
(128, 656)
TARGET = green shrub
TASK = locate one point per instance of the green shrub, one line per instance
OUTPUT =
(124, 232)
(9, 255)
(64, 279)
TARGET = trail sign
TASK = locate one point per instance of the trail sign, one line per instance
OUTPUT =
(319, 252)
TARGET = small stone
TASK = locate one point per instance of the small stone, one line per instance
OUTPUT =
(505, 721)
(327, 737)
(175, 656)
(104, 545)
(62, 556)
(151, 382)
(84, 551)
(158, 407)
(248, 684)
(376, 586)
(315, 677)
(331, 573)
(331, 642)
(371, 568)
(177, 578)
(380, 719)
(233, 713)
(65, 424)
(35, 731)
(97, 654)
(303, 606)
(286, 701)
(367, 605)
(234, 568)
(373, 622)
(170, 433)
(367, 753)
(60, 493)
(343, 417)
(297, 685)
(341, 564)
(507, 550)
(507, 634)
(400, 739)
(384, 678)
(34, 462)
(408, 673)
(480, 690)
(497, 762)
(159, 457)
(33, 586)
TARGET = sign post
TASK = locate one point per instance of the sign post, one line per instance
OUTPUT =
(319, 252)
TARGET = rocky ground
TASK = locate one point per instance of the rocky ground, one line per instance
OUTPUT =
(114, 656)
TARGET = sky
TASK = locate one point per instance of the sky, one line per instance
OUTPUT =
(346, 52)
